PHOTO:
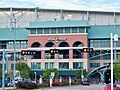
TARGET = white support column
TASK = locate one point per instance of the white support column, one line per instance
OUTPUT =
(111, 61)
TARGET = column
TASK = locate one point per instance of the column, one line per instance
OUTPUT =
(42, 59)
(85, 61)
(56, 61)
(70, 59)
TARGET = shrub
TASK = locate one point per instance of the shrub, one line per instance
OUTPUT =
(56, 83)
(26, 85)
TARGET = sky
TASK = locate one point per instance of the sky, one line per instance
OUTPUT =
(99, 5)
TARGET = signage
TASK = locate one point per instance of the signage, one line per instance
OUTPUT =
(57, 39)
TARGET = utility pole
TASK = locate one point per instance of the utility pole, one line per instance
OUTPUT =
(3, 69)
(13, 21)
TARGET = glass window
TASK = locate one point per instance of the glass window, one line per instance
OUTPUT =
(106, 63)
(35, 65)
(49, 65)
(53, 31)
(64, 65)
(74, 30)
(17, 44)
(46, 65)
(81, 30)
(77, 65)
(32, 31)
(60, 30)
(10, 45)
(46, 31)
(24, 44)
(39, 31)
(67, 30)
(99, 43)
(94, 65)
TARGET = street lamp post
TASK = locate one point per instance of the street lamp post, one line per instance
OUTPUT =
(3, 69)
(115, 39)
(111, 61)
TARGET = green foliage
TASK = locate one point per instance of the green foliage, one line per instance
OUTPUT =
(25, 71)
(79, 73)
(11, 75)
(47, 73)
(117, 70)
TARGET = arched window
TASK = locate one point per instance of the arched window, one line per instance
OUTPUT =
(49, 44)
(78, 44)
(64, 54)
(63, 44)
(47, 52)
(36, 44)
(77, 53)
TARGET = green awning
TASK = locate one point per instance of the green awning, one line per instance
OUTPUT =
(54, 24)
(8, 34)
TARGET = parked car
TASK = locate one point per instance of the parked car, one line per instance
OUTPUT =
(86, 82)
(117, 84)
(5, 83)
(108, 87)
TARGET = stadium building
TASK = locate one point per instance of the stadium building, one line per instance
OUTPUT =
(68, 31)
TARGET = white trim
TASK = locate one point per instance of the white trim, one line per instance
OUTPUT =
(63, 34)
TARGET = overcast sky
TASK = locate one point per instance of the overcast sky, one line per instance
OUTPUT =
(102, 5)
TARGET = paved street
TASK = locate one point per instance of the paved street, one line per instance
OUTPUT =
(77, 87)
(73, 87)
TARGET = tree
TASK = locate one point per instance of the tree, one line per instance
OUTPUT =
(79, 73)
(47, 73)
(117, 70)
(25, 71)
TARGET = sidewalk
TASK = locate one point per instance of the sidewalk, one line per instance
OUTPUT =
(12, 88)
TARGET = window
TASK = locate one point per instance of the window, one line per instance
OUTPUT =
(32, 31)
(60, 30)
(81, 30)
(94, 65)
(46, 31)
(39, 31)
(64, 65)
(99, 43)
(74, 30)
(77, 65)
(46, 65)
(49, 65)
(67, 30)
(35, 65)
(53, 31)
(37, 55)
